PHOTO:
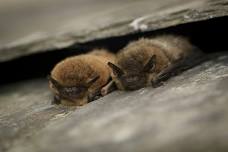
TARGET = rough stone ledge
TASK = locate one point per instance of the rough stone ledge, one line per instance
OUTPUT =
(188, 113)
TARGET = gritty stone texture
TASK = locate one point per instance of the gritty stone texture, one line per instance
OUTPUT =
(29, 27)
(188, 113)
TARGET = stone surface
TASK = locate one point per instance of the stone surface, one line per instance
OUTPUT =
(188, 113)
(29, 27)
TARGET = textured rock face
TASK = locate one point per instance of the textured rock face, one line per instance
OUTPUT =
(188, 113)
(28, 27)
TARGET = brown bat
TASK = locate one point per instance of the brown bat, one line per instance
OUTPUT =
(78, 80)
(149, 61)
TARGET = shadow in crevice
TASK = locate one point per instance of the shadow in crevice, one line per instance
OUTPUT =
(207, 35)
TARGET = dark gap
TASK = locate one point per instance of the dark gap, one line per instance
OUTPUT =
(207, 35)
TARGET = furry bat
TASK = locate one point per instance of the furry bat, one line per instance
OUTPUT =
(78, 80)
(150, 61)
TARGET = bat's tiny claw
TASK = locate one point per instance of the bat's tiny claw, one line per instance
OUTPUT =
(56, 100)
(90, 98)
(156, 83)
(108, 88)
(94, 96)
(104, 91)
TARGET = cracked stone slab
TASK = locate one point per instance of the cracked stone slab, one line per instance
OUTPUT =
(188, 113)
(29, 27)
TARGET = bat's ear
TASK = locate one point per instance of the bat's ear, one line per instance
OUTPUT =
(91, 81)
(116, 70)
(54, 82)
(150, 65)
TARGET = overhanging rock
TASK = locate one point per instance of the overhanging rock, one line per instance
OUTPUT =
(24, 33)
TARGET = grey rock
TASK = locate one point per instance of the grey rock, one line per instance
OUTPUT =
(188, 113)
(29, 27)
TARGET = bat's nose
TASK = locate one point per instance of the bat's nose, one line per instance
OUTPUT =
(132, 79)
(133, 83)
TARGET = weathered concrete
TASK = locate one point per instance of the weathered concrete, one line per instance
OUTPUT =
(188, 113)
(29, 27)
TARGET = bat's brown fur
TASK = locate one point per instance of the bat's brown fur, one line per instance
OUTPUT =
(78, 70)
(167, 50)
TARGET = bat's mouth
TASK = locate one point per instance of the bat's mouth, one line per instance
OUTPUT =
(68, 100)
(133, 82)
(133, 86)
(71, 92)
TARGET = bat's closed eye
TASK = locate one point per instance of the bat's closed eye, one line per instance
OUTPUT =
(150, 65)
(72, 91)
